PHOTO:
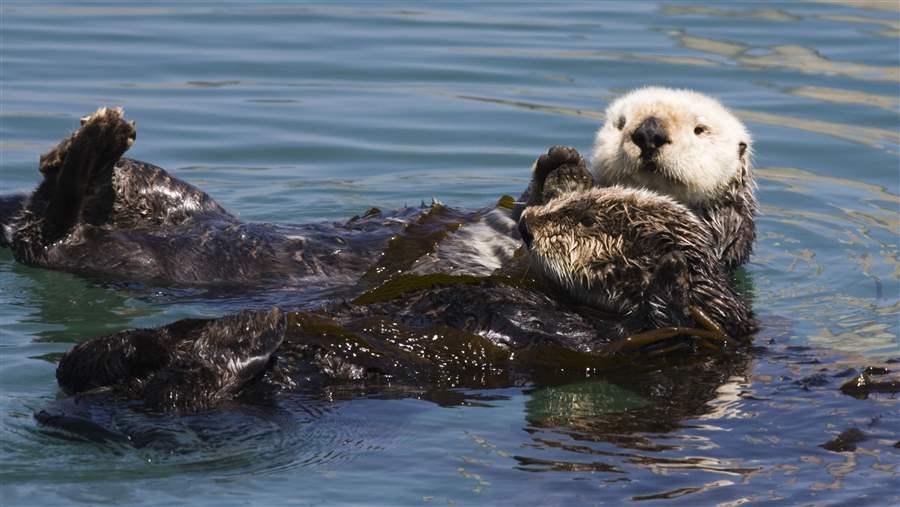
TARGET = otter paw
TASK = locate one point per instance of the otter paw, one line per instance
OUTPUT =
(562, 169)
(556, 157)
(565, 179)
(107, 126)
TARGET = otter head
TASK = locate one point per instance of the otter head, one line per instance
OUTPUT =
(568, 237)
(676, 142)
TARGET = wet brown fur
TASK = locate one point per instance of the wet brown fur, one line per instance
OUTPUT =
(630, 251)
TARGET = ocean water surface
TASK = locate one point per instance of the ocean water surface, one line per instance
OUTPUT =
(304, 112)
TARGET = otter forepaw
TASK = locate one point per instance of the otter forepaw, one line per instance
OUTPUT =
(556, 157)
(562, 169)
(567, 178)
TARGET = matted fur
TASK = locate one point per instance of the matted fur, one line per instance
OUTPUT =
(636, 253)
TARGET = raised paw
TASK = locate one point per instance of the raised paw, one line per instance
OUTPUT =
(565, 179)
(556, 157)
(562, 169)
(108, 126)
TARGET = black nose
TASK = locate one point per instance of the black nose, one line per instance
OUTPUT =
(650, 135)
(526, 235)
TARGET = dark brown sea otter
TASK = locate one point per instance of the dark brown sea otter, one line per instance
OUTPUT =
(99, 214)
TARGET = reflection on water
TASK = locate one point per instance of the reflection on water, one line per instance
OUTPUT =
(875, 5)
(778, 15)
(606, 429)
(256, 439)
(871, 136)
(893, 25)
(296, 113)
(70, 308)
(890, 103)
(807, 60)
(789, 57)
(764, 14)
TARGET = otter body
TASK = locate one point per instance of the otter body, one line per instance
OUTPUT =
(177, 235)
(99, 214)
(434, 292)
(255, 358)
(447, 332)
(612, 263)
(636, 254)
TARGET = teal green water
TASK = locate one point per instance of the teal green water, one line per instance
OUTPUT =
(297, 113)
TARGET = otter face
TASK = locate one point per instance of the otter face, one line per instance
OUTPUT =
(676, 142)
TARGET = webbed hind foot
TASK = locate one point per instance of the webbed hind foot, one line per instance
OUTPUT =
(105, 126)
(78, 170)
(186, 366)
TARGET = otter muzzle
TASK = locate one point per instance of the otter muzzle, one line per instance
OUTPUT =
(650, 136)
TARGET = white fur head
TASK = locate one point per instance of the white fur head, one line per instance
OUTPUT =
(676, 142)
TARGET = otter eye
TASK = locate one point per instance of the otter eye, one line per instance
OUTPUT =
(587, 221)
(620, 123)
(701, 129)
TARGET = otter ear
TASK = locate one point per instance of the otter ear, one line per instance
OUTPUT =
(742, 149)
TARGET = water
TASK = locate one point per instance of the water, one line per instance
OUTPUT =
(300, 113)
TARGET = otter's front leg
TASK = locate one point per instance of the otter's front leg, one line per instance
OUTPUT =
(561, 170)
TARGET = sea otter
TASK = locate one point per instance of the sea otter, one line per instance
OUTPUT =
(652, 256)
(120, 383)
(99, 214)
(687, 146)
(405, 315)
